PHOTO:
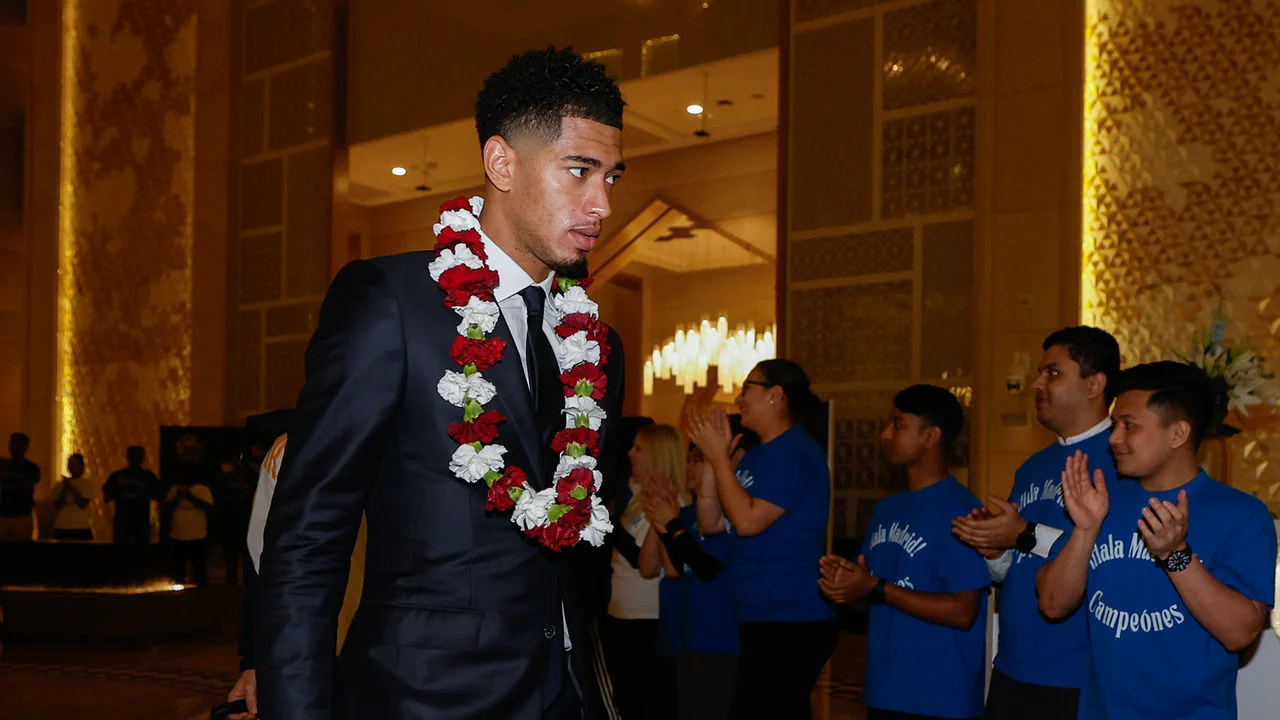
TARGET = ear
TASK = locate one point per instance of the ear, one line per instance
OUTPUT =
(1097, 385)
(932, 437)
(499, 163)
(1179, 434)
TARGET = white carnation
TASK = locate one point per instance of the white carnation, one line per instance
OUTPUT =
(531, 509)
(568, 464)
(456, 387)
(577, 348)
(478, 312)
(598, 526)
(575, 407)
(471, 465)
(458, 220)
(573, 301)
(477, 205)
(450, 258)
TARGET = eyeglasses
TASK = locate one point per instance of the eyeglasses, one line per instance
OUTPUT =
(765, 385)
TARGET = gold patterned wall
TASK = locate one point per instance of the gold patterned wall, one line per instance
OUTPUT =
(1182, 186)
(880, 219)
(282, 252)
(128, 147)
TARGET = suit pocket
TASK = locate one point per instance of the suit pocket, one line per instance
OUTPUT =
(419, 626)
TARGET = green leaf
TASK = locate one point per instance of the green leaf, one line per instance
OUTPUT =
(491, 477)
(477, 445)
(471, 410)
(582, 421)
(575, 450)
(469, 370)
(515, 492)
(555, 512)
(583, 389)
(579, 493)
(474, 332)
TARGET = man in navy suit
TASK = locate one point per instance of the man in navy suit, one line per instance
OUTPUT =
(462, 616)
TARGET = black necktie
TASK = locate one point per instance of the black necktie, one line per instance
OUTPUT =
(541, 366)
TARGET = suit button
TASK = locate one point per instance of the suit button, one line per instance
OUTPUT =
(549, 631)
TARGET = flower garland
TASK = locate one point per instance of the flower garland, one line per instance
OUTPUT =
(559, 516)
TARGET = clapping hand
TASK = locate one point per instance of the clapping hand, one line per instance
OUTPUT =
(987, 532)
(1087, 502)
(658, 501)
(1164, 526)
(710, 432)
(843, 581)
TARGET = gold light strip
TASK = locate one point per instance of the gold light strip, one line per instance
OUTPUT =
(68, 427)
(1090, 299)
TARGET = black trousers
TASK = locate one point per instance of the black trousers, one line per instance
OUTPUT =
(631, 654)
(1010, 699)
(778, 664)
(874, 714)
(195, 552)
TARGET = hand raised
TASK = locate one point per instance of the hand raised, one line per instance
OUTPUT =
(710, 432)
(985, 530)
(1164, 526)
(1087, 502)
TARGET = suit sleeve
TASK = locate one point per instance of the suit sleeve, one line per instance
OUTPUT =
(355, 367)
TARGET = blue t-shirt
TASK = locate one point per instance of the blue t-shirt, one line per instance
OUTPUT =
(710, 624)
(909, 543)
(775, 574)
(1151, 659)
(671, 615)
(1033, 649)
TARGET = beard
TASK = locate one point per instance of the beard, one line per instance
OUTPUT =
(574, 270)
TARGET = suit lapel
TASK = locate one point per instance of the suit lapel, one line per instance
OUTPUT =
(517, 405)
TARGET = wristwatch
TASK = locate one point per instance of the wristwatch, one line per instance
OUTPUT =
(1026, 541)
(1176, 561)
(877, 593)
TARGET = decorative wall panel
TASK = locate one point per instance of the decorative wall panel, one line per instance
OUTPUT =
(288, 89)
(905, 208)
(860, 333)
(128, 146)
(868, 253)
(930, 53)
(1182, 186)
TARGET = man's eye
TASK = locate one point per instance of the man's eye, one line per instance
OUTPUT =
(578, 172)
(611, 179)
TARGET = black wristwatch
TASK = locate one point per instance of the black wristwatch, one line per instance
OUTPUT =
(1026, 541)
(877, 593)
(1176, 561)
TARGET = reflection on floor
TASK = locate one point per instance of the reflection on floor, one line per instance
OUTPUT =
(182, 681)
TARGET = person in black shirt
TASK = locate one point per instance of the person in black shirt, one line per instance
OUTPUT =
(132, 489)
(18, 479)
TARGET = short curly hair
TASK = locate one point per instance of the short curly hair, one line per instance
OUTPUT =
(539, 88)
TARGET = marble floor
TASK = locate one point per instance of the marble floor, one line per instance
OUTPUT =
(183, 680)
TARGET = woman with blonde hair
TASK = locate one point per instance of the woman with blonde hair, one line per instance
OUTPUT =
(631, 630)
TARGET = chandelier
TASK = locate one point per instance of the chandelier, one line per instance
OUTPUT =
(687, 357)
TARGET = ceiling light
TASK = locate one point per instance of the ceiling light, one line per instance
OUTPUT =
(398, 171)
(694, 109)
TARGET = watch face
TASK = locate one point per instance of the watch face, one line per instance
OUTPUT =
(1178, 560)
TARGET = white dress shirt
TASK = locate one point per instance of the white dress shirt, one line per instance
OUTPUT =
(1045, 536)
(511, 280)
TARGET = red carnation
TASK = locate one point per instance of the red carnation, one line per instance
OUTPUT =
(582, 322)
(448, 238)
(458, 203)
(584, 283)
(582, 480)
(587, 372)
(461, 283)
(484, 429)
(484, 354)
(499, 498)
(564, 532)
(582, 436)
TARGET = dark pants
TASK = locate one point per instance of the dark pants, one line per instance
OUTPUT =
(1010, 699)
(567, 705)
(778, 666)
(704, 685)
(874, 714)
(631, 654)
(80, 534)
(195, 552)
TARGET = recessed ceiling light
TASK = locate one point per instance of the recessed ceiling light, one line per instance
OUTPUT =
(694, 109)
(398, 171)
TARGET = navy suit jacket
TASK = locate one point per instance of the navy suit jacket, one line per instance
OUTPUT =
(458, 607)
